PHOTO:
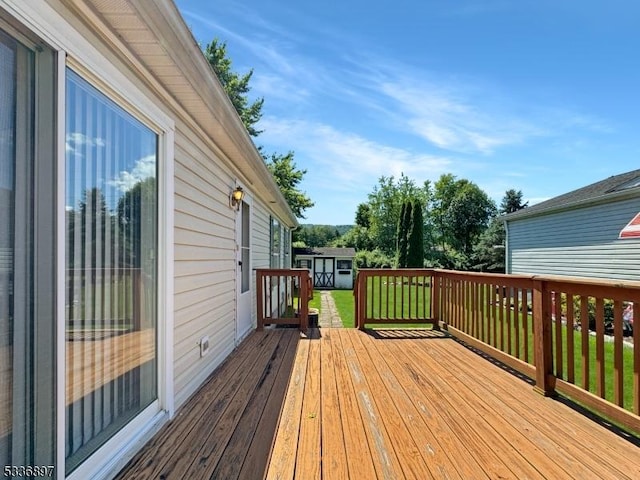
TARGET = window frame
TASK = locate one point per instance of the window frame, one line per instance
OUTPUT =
(121, 93)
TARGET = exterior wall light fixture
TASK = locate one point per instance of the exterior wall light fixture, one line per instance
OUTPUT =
(236, 198)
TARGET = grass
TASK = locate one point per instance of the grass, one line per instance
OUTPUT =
(346, 306)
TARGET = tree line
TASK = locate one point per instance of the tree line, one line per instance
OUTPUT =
(451, 223)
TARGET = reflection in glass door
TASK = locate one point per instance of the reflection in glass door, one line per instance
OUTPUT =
(111, 274)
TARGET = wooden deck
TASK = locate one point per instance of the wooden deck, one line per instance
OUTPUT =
(384, 404)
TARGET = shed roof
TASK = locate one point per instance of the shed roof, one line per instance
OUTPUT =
(622, 186)
(325, 251)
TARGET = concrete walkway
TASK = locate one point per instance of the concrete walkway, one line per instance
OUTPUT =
(329, 316)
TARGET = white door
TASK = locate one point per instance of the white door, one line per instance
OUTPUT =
(323, 276)
(244, 278)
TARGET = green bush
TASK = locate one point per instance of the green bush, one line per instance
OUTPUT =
(373, 259)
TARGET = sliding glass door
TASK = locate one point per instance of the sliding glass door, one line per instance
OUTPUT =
(8, 64)
(111, 268)
(27, 254)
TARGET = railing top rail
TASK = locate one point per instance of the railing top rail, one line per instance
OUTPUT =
(396, 271)
(504, 277)
(282, 271)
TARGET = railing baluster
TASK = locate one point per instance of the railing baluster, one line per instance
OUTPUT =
(600, 390)
(557, 321)
(584, 326)
(570, 339)
(618, 368)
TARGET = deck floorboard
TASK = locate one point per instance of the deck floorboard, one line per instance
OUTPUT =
(387, 404)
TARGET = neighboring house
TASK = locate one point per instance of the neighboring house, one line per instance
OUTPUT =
(329, 267)
(126, 273)
(588, 232)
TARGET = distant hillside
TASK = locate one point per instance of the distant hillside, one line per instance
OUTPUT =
(342, 229)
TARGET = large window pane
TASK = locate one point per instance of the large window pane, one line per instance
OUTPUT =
(111, 261)
(7, 218)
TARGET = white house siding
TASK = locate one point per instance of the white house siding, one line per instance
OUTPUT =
(581, 242)
(260, 247)
(205, 266)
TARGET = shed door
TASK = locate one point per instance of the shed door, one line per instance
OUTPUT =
(324, 272)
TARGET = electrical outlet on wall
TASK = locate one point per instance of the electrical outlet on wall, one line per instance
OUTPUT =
(204, 345)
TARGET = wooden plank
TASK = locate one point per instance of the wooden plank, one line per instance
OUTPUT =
(554, 418)
(208, 442)
(420, 413)
(259, 451)
(283, 455)
(214, 393)
(360, 462)
(402, 441)
(380, 445)
(309, 454)
(469, 393)
(334, 458)
(232, 458)
(474, 436)
(579, 453)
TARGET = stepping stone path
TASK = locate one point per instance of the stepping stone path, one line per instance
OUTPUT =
(329, 317)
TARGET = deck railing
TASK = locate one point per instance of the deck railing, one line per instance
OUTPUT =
(385, 296)
(283, 297)
(572, 335)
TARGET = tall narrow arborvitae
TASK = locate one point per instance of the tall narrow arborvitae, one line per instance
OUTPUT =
(401, 237)
(415, 238)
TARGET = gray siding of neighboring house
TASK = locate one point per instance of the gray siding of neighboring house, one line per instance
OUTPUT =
(581, 242)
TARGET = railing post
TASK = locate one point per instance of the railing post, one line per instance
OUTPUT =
(435, 300)
(304, 300)
(361, 307)
(542, 342)
(260, 298)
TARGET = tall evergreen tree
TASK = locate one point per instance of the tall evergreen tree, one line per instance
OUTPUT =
(236, 86)
(403, 227)
(415, 237)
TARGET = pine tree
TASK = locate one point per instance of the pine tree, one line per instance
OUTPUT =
(401, 236)
(415, 238)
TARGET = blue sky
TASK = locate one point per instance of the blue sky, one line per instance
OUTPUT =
(537, 95)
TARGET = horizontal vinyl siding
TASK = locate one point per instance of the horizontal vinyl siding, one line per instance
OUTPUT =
(260, 248)
(205, 267)
(581, 242)
(261, 236)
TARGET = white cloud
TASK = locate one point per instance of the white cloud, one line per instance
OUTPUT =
(144, 168)
(75, 140)
(346, 160)
(455, 118)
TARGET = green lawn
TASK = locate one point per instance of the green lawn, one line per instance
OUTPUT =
(346, 306)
